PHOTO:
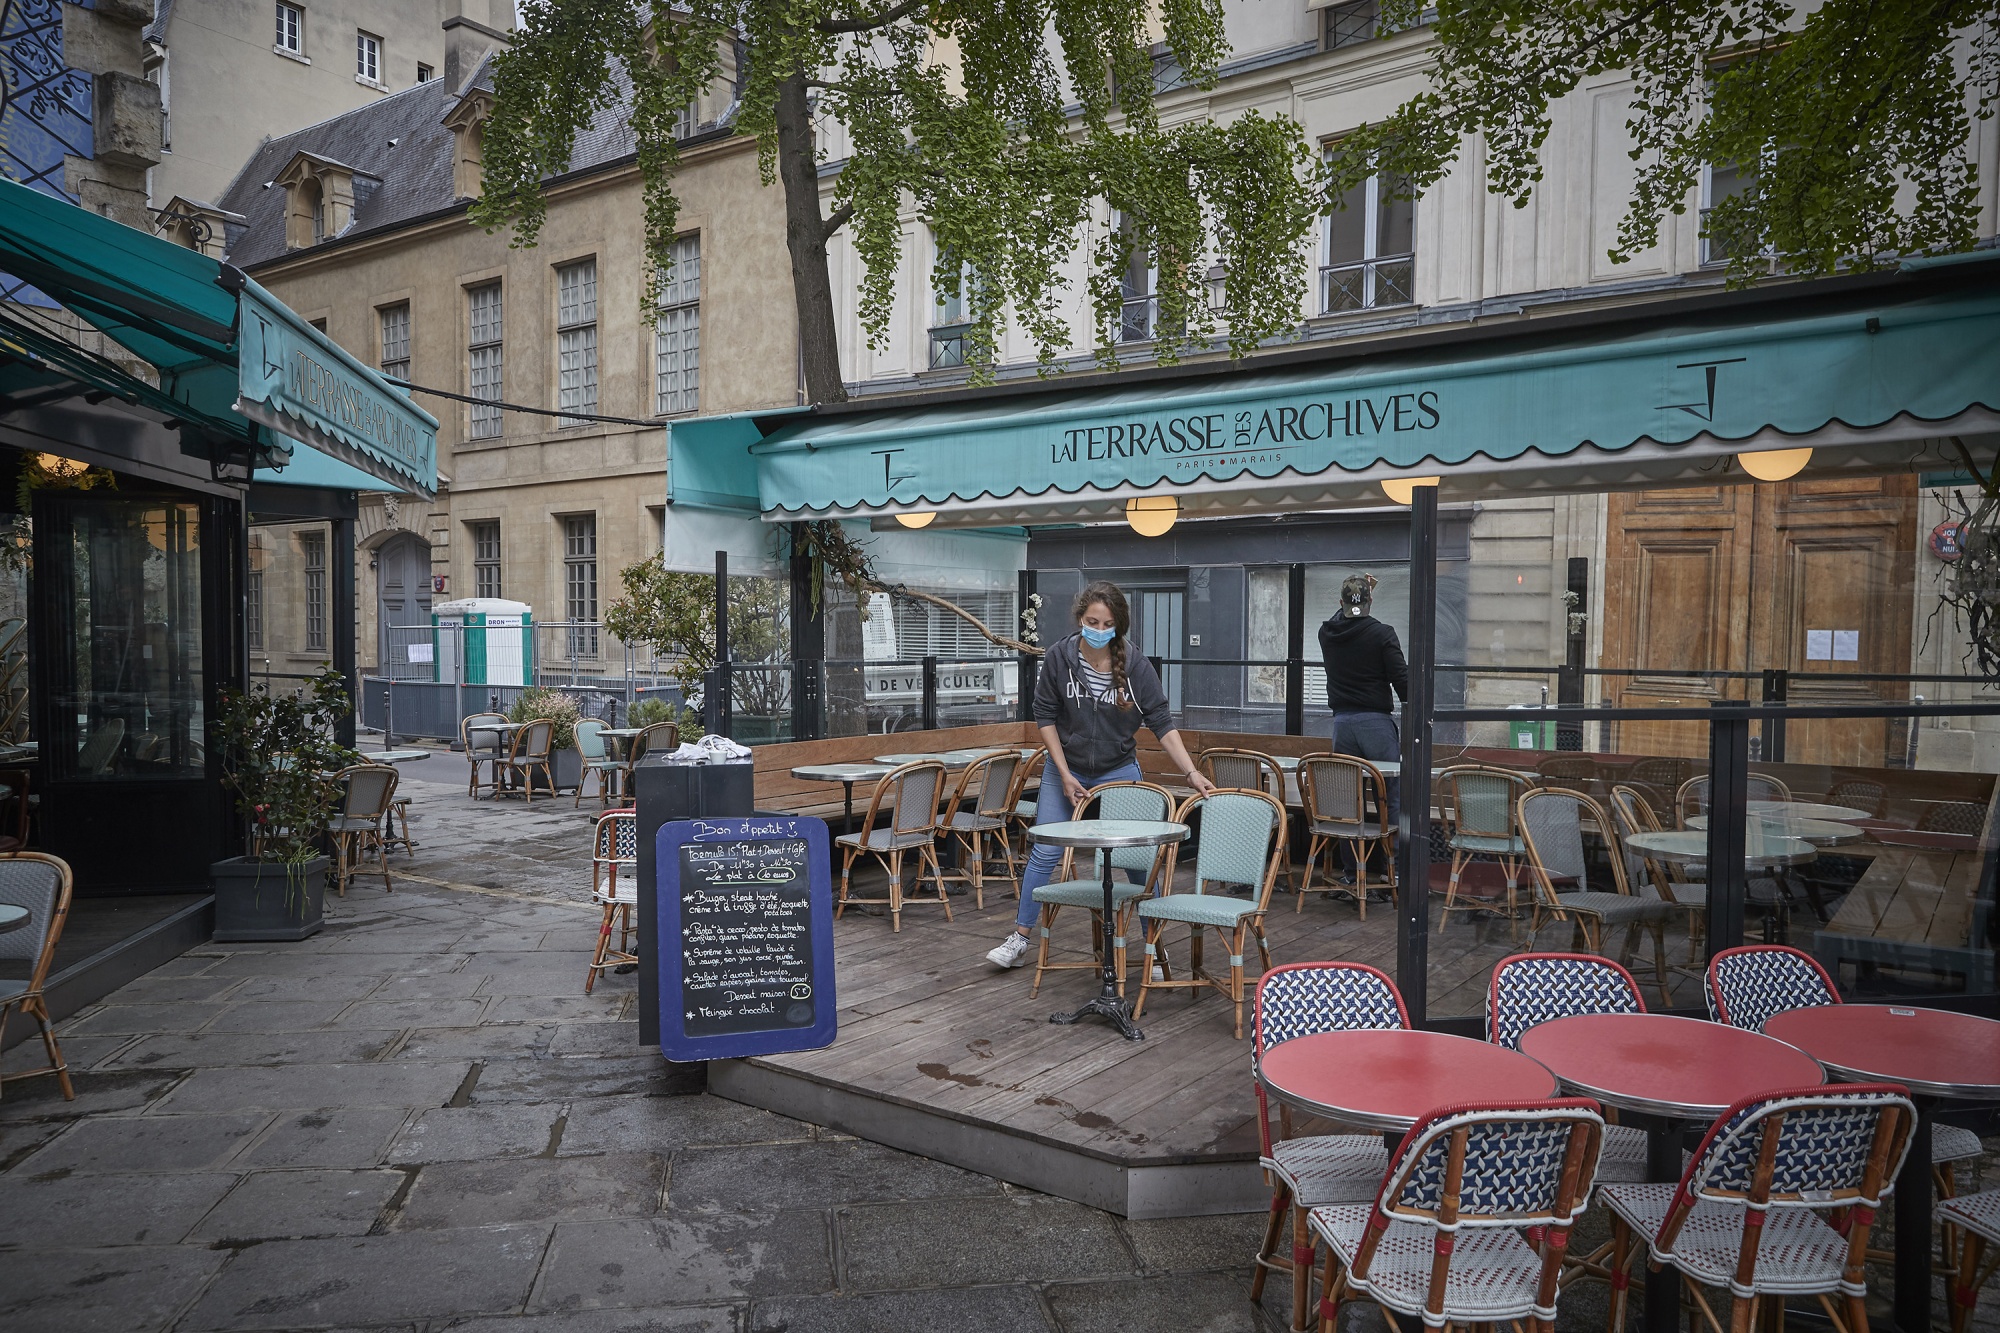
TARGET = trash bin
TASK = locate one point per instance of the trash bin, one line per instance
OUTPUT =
(1530, 734)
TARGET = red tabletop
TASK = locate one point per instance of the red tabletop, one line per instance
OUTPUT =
(1389, 1079)
(1931, 1051)
(1680, 1067)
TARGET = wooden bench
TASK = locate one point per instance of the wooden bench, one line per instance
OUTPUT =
(777, 790)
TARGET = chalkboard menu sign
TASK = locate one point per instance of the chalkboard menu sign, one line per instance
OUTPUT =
(746, 937)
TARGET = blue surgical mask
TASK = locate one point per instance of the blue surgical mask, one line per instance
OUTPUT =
(1098, 638)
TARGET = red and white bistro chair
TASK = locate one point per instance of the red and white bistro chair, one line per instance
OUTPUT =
(1977, 1220)
(1299, 1000)
(1447, 1239)
(616, 849)
(1747, 1214)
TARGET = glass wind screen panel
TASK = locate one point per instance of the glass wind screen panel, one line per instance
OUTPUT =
(138, 685)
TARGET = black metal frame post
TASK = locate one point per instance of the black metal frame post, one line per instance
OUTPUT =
(1295, 650)
(1728, 822)
(1569, 677)
(928, 703)
(1776, 683)
(721, 710)
(808, 646)
(1413, 827)
(346, 614)
(1030, 664)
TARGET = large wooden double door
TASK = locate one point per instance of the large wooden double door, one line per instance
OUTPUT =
(1816, 577)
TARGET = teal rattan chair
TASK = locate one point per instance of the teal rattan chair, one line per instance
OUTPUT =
(1484, 822)
(1242, 844)
(596, 760)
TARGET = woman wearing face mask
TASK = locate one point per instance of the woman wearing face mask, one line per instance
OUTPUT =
(1095, 690)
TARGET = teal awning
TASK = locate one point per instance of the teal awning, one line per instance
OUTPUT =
(224, 348)
(708, 459)
(1658, 398)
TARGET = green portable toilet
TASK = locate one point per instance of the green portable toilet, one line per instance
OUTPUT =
(1530, 734)
(483, 641)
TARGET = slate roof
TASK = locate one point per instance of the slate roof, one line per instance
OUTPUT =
(402, 156)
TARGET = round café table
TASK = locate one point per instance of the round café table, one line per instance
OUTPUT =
(1934, 1053)
(846, 775)
(12, 918)
(1676, 1072)
(1389, 1078)
(1103, 835)
(1818, 832)
(1844, 814)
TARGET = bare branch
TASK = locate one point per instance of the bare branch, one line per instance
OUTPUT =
(837, 217)
(978, 625)
(881, 20)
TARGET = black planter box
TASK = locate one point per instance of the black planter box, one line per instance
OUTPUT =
(256, 900)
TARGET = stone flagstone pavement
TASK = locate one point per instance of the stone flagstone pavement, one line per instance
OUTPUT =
(418, 1121)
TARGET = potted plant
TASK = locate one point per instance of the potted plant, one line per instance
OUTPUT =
(539, 702)
(279, 758)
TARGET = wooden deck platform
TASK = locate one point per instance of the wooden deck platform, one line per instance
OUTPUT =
(940, 1053)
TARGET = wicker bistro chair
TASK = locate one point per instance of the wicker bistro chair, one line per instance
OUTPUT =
(596, 759)
(1334, 789)
(1533, 988)
(1312, 1171)
(482, 748)
(1151, 866)
(395, 820)
(367, 793)
(1023, 809)
(616, 848)
(1247, 770)
(987, 783)
(1692, 798)
(1976, 1217)
(1750, 983)
(1745, 1213)
(530, 754)
(1552, 824)
(912, 793)
(1485, 822)
(1443, 1240)
(42, 885)
(1242, 843)
(1634, 814)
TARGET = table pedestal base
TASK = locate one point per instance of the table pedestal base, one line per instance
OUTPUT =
(1112, 1007)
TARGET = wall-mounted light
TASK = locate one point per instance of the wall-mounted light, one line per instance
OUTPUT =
(916, 520)
(1404, 489)
(1152, 515)
(1775, 464)
(1218, 288)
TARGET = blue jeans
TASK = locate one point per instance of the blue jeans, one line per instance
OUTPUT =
(1053, 807)
(1370, 736)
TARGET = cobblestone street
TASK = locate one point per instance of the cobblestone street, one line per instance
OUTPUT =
(417, 1121)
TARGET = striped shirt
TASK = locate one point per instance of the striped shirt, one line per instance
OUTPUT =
(1097, 682)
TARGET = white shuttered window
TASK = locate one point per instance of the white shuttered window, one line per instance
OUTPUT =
(677, 342)
(487, 359)
(576, 338)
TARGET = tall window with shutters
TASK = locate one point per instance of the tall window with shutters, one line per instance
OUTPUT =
(487, 359)
(677, 339)
(576, 338)
(486, 558)
(580, 582)
(396, 340)
(313, 546)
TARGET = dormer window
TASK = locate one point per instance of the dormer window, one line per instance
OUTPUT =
(198, 226)
(467, 123)
(319, 199)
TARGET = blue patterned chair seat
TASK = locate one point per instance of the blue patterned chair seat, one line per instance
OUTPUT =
(1087, 893)
(1330, 828)
(1488, 845)
(1493, 1273)
(1799, 1254)
(1196, 909)
(1323, 1169)
(883, 840)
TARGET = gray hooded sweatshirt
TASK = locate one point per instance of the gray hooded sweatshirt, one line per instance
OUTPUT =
(1097, 735)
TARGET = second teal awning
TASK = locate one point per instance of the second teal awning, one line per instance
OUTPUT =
(1665, 396)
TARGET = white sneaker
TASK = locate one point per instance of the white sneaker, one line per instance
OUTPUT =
(1159, 974)
(1013, 953)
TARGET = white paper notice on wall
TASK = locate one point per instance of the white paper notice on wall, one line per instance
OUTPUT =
(420, 652)
(1847, 645)
(1819, 645)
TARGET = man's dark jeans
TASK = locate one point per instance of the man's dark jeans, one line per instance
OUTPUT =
(1370, 736)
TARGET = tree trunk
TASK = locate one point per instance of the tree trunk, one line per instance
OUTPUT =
(805, 237)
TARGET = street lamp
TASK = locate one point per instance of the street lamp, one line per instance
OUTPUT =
(1152, 515)
(1775, 464)
(1404, 489)
(916, 520)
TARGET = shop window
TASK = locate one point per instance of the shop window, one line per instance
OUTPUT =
(312, 546)
(486, 558)
(1349, 24)
(487, 357)
(677, 337)
(580, 582)
(291, 29)
(368, 58)
(576, 338)
(396, 340)
(1368, 258)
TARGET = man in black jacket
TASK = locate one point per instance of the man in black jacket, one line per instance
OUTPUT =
(1364, 662)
